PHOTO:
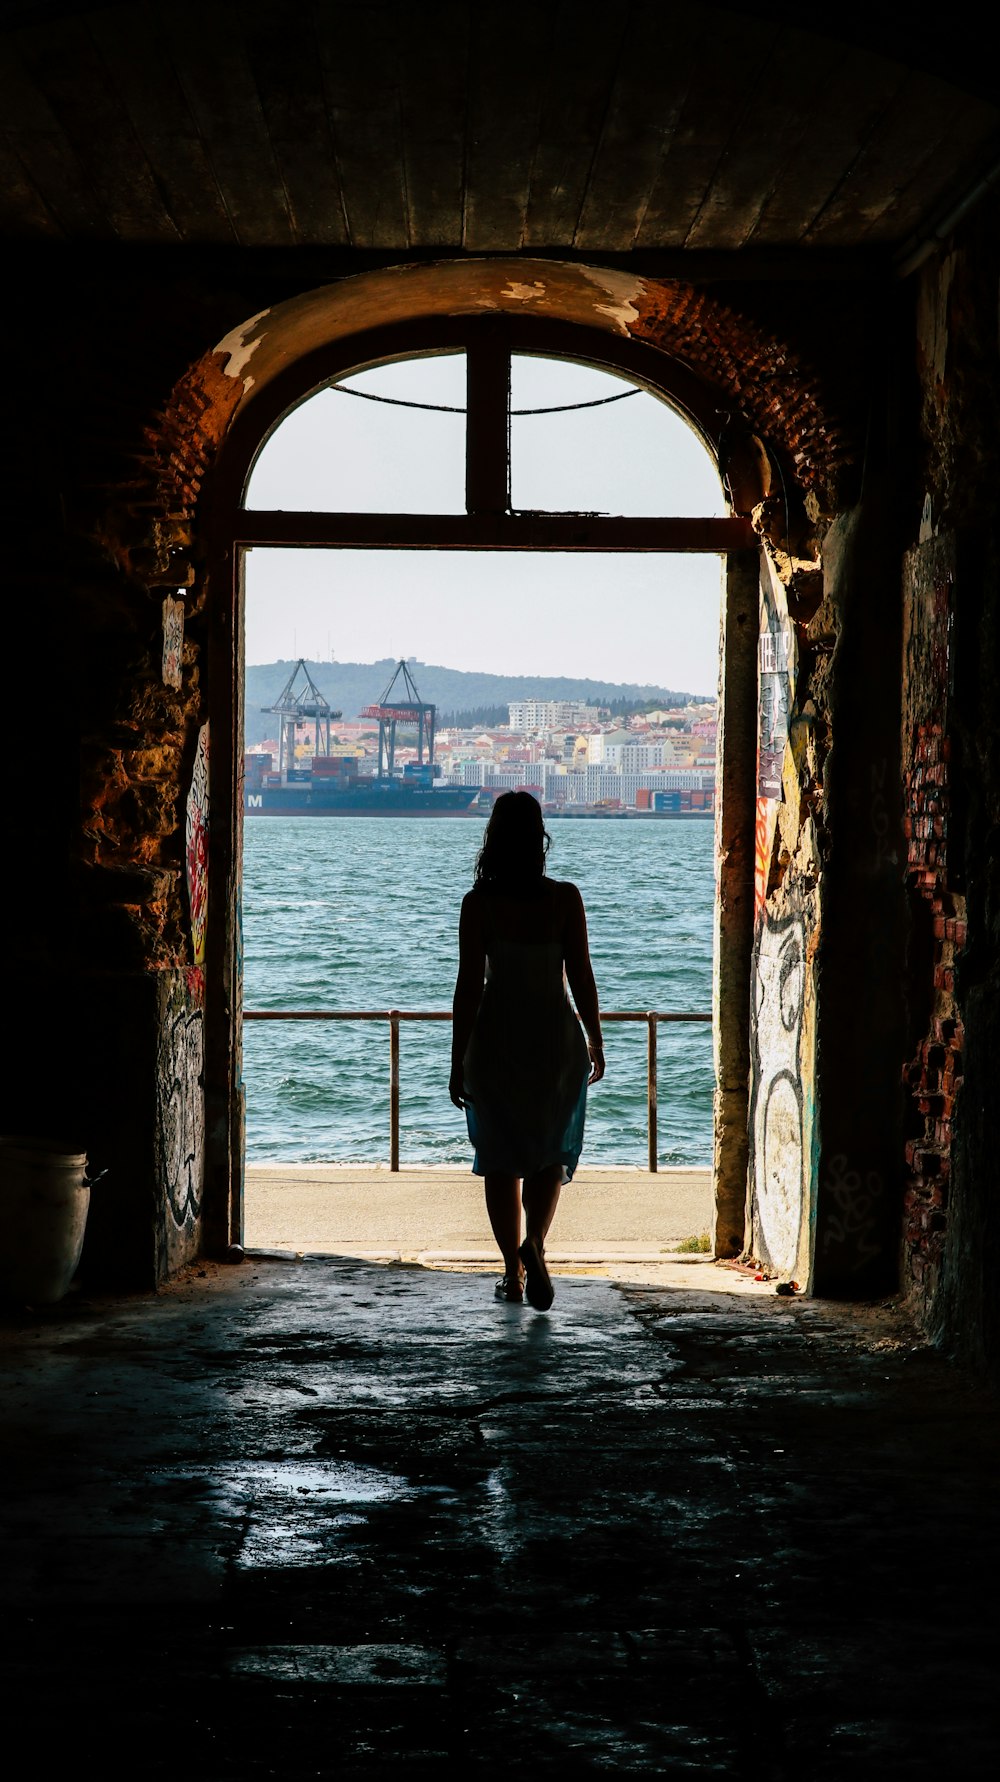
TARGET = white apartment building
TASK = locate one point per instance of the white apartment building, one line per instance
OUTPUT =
(501, 776)
(598, 746)
(550, 714)
(639, 757)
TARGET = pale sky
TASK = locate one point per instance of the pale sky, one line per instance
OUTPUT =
(645, 618)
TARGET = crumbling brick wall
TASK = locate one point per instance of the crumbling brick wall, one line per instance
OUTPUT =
(951, 682)
(933, 1075)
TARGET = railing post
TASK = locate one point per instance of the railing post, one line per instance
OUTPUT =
(651, 1089)
(394, 1089)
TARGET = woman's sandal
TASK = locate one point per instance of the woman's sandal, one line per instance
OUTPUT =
(537, 1281)
(512, 1291)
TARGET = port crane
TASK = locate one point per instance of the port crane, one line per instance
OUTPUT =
(410, 710)
(293, 708)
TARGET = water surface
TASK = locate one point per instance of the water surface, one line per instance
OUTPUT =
(362, 913)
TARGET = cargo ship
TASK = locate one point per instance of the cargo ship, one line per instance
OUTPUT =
(331, 785)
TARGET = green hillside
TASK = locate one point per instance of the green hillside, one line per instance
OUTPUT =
(350, 685)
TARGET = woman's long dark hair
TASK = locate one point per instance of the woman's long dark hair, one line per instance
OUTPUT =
(512, 857)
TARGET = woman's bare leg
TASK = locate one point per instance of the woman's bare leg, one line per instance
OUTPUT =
(504, 1208)
(541, 1197)
(541, 1194)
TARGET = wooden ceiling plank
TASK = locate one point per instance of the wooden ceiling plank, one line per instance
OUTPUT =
(208, 51)
(927, 129)
(432, 54)
(362, 97)
(45, 154)
(925, 197)
(844, 111)
(51, 165)
(579, 79)
(287, 74)
(23, 107)
(727, 70)
(66, 68)
(764, 138)
(507, 76)
(23, 212)
(660, 50)
(136, 57)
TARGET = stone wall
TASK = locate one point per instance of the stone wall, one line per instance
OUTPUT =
(826, 1006)
(951, 779)
(105, 700)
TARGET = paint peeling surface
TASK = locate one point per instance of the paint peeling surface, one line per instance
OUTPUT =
(239, 348)
(521, 293)
(624, 294)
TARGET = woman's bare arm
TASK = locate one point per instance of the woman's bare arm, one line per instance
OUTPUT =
(580, 976)
(468, 991)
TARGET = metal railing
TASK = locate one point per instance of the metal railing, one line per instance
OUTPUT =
(651, 1017)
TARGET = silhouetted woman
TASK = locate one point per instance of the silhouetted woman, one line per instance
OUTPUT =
(520, 1064)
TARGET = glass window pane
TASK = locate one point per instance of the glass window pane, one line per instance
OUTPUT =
(635, 456)
(341, 453)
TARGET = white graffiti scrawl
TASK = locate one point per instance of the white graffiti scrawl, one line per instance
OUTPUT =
(776, 1126)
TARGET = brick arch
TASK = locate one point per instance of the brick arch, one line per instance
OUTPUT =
(781, 397)
(742, 371)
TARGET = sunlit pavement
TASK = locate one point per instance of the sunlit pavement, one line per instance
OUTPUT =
(439, 1215)
(347, 1520)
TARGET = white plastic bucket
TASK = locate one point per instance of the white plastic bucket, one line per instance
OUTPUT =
(44, 1201)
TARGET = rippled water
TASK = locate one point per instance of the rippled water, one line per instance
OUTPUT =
(362, 913)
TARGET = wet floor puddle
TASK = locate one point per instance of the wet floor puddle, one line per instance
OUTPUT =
(292, 1512)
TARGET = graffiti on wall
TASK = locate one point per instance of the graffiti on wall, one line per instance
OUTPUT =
(775, 669)
(776, 1112)
(180, 1112)
(196, 848)
(173, 642)
(777, 1118)
(775, 688)
(852, 1199)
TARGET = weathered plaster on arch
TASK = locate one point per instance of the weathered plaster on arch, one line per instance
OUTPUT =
(519, 292)
(239, 348)
(757, 375)
(624, 292)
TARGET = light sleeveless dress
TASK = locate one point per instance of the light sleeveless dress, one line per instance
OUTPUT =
(526, 1064)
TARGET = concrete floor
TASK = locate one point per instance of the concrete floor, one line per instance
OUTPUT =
(348, 1520)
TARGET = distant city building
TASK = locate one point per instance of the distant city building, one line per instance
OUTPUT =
(669, 769)
(550, 714)
(636, 757)
(598, 746)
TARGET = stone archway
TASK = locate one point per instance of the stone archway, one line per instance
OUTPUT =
(757, 408)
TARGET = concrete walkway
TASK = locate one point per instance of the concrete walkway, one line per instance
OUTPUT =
(348, 1520)
(438, 1216)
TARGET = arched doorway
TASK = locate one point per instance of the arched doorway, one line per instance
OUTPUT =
(491, 523)
(334, 1087)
